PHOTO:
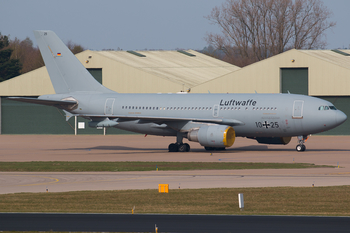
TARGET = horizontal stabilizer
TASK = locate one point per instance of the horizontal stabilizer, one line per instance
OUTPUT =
(55, 103)
(68, 115)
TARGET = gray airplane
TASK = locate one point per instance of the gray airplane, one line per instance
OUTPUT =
(213, 120)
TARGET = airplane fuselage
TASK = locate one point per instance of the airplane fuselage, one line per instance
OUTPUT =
(262, 115)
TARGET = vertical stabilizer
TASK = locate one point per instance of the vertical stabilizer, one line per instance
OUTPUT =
(66, 72)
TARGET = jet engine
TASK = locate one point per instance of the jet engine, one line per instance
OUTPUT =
(273, 140)
(213, 135)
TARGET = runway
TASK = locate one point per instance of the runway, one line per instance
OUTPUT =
(170, 223)
(322, 150)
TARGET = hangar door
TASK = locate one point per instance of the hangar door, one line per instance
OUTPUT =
(295, 80)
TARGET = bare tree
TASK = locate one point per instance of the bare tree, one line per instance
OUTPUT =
(75, 48)
(253, 30)
(28, 55)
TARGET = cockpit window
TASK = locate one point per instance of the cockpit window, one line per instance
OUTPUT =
(327, 108)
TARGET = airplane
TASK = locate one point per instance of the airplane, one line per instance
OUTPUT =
(212, 120)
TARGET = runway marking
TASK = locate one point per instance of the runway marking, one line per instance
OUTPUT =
(340, 173)
(55, 180)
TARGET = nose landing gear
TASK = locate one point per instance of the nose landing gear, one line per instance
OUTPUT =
(301, 140)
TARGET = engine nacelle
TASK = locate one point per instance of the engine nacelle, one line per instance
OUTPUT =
(213, 136)
(274, 140)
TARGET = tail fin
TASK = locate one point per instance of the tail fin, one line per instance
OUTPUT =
(66, 72)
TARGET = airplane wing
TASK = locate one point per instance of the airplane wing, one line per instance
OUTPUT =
(161, 120)
(55, 103)
(144, 119)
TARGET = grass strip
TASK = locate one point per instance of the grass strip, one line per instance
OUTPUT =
(142, 166)
(322, 201)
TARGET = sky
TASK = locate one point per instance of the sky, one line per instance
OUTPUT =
(134, 24)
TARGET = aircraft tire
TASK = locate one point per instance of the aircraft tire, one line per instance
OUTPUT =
(300, 148)
(173, 147)
(182, 148)
(303, 148)
(188, 148)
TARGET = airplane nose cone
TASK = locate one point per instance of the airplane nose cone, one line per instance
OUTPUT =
(340, 117)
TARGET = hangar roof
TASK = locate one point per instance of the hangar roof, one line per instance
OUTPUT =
(328, 74)
(188, 67)
(337, 57)
(152, 71)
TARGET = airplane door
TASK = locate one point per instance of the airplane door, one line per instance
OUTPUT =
(216, 111)
(109, 106)
(298, 109)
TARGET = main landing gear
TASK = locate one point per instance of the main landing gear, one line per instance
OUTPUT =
(176, 147)
(301, 140)
(179, 146)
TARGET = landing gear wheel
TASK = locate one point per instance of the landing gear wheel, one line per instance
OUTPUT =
(300, 148)
(173, 147)
(188, 148)
(182, 148)
(301, 140)
(303, 147)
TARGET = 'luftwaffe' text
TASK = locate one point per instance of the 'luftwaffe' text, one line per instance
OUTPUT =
(232, 102)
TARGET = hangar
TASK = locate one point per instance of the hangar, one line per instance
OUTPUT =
(121, 71)
(320, 73)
